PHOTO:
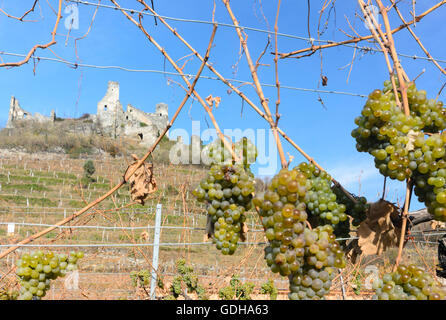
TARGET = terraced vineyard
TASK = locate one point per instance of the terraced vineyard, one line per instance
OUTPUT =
(40, 190)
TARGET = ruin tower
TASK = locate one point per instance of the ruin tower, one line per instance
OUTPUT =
(110, 112)
(162, 113)
(15, 112)
(162, 110)
(53, 116)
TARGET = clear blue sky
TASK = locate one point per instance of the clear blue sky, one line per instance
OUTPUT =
(324, 133)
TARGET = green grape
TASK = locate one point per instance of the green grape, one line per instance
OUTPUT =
(357, 211)
(408, 282)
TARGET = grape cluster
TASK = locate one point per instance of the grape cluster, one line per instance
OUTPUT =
(283, 216)
(322, 255)
(38, 268)
(320, 199)
(219, 154)
(408, 283)
(295, 250)
(8, 294)
(357, 210)
(429, 178)
(429, 111)
(227, 191)
(399, 146)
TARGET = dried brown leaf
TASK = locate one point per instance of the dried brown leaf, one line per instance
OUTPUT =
(324, 80)
(377, 233)
(437, 225)
(141, 183)
(211, 101)
(145, 235)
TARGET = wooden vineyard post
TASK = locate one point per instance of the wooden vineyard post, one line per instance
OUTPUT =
(156, 242)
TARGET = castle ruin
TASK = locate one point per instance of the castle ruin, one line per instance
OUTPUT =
(110, 119)
(16, 113)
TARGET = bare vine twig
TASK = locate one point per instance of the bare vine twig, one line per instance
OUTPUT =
(38, 46)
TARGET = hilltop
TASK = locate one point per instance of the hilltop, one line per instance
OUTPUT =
(63, 137)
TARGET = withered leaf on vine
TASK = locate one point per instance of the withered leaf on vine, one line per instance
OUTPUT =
(213, 101)
(142, 182)
(378, 233)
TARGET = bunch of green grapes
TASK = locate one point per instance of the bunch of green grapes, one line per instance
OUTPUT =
(37, 269)
(382, 131)
(323, 255)
(246, 150)
(430, 176)
(8, 294)
(219, 153)
(295, 250)
(408, 283)
(357, 210)
(400, 147)
(319, 198)
(430, 111)
(321, 201)
(227, 191)
(283, 217)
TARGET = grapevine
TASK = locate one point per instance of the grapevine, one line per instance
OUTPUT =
(269, 288)
(236, 290)
(185, 281)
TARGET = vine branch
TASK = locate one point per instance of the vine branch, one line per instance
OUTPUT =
(417, 39)
(38, 46)
(258, 87)
(313, 48)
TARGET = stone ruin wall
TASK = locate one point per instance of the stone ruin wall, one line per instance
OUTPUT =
(111, 119)
(133, 122)
(16, 113)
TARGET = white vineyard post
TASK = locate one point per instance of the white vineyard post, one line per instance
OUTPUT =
(156, 242)
(11, 227)
(342, 284)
